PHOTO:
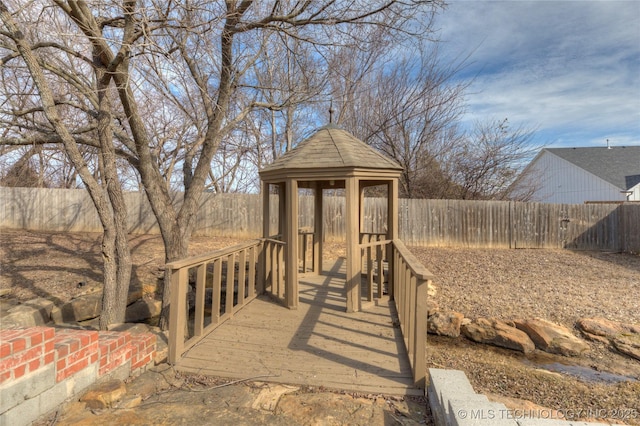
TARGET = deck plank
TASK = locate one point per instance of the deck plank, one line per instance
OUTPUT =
(318, 344)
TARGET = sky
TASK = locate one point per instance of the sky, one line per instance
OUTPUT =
(570, 70)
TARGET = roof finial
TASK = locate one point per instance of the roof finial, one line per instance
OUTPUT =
(331, 111)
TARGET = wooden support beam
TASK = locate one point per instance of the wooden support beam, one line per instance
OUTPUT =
(291, 232)
(318, 230)
(354, 259)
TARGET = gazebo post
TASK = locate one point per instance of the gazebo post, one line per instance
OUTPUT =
(318, 230)
(266, 221)
(282, 203)
(392, 228)
(354, 261)
(291, 239)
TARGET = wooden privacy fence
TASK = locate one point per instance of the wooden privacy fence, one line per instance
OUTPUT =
(421, 222)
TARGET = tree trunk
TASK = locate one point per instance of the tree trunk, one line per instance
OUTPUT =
(116, 253)
(176, 246)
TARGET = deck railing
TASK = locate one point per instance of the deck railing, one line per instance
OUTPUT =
(207, 290)
(410, 282)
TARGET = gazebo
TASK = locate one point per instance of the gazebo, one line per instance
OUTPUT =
(331, 158)
(241, 331)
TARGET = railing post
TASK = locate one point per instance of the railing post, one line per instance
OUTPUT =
(261, 270)
(217, 285)
(176, 313)
(254, 268)
(231, 270)
(242, 275)
(379, 250)
(200, 290)
(420, 346)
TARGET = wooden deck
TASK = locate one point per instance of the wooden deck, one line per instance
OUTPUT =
(318, 344)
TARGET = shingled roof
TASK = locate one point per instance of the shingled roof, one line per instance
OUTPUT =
(620, 165)
(332, 147)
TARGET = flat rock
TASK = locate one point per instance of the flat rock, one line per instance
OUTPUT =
(330, 409)
(143, 309)
(31, 313)
(628, 344)
(105, 395)
(599, 326)
(269, 396)
(445, 323)
(552, 338)
(79, 309)
(624, 337)
(497, 333)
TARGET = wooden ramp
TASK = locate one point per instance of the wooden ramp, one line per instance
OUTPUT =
(319, 344)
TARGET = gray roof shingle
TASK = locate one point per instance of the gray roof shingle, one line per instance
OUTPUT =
(332, 147)
(619, 165)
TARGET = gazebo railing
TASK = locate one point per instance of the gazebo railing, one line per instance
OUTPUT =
(374, 256)
(207, 290)
(273, 250)
(410, 283)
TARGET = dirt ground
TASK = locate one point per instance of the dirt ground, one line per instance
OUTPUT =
(557, 285)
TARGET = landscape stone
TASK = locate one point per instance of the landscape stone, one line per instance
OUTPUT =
(140, 290)
(105, 395)
(432, 307)
(330, 409)
(624, 337)
(143, 309)
(445, 323)
(498, 333)
(628, 344)
(31, 313)
(79, 309)
(269, 396)
(600, 326)
(552, 338)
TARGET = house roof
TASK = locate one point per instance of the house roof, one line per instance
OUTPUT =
(619, 165)
(332, 147)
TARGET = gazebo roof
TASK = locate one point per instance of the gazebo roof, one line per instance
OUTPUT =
(331, 147)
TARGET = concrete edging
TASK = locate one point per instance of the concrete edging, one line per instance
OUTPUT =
(453, 402)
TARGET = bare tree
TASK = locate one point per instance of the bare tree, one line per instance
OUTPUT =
(490, 159)
(197, 60)
(408, 107)
(105, 192)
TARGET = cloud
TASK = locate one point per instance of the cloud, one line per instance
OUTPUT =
(570, 69)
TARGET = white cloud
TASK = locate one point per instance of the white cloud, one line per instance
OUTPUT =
(569, 68)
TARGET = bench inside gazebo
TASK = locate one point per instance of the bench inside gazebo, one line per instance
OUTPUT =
(355, 323)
